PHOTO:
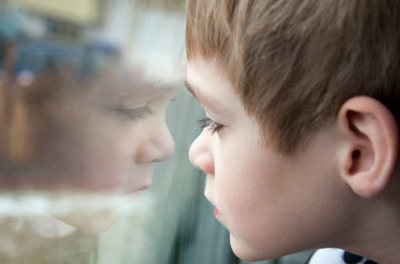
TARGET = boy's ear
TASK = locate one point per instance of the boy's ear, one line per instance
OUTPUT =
(371, 146)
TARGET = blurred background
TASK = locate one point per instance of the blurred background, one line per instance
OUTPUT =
(57, 58)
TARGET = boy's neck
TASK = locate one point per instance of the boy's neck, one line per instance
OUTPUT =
(378, 234)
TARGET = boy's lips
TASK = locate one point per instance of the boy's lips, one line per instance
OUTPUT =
(144, 187)
(135, 189)
(216, 212)
(132, 194)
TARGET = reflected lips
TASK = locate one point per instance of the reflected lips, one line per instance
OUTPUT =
(133, 195)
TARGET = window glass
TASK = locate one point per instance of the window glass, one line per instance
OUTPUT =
(84, 93)
(94, 136)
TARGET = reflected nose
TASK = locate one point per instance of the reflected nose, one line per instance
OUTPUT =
(159, 146)
(200, 155)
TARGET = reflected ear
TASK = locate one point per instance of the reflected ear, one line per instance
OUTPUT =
(370, 152)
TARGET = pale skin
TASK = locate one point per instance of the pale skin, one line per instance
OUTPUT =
(337, 189)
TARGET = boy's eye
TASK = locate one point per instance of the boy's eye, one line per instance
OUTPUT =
(136, 113)
(210, 124)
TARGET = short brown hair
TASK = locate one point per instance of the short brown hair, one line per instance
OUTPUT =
(294, 63)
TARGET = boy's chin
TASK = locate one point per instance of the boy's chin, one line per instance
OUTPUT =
(248, 253)
(90, 222)
(243, 251)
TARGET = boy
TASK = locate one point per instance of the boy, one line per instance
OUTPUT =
(301, 145)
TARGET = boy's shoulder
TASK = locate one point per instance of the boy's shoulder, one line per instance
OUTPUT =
(336, 256)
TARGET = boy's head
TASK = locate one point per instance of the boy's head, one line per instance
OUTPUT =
(90, 142)
(317, 80)
(294, 63)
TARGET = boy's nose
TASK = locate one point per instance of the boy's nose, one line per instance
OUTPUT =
(200, 155)
(158, 147)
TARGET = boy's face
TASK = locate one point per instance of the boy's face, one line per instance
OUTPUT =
(118, 134)
(123, 134)
(103, 148)
(271, 204)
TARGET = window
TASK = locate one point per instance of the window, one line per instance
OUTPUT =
(84, 88)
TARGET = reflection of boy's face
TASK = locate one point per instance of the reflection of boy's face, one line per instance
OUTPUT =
(117, 136)
(106, 142)
(272, 204)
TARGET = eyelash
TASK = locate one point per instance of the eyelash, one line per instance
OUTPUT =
(134, 114)
(210, 124)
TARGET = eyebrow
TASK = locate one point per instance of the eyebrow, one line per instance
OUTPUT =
(207, 101)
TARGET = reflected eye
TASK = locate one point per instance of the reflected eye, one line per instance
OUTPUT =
(134, 114)
(210, 124)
